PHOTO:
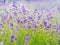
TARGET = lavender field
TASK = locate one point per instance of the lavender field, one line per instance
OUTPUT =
(29, 22)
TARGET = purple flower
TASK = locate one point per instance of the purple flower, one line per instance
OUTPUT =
(58, 9)
(17, 28)
(1, 25)
(35, 26)
(14, 2)
(25, 20)
(18, 21)
(45, 23)
(28, 38)
(14, 6)
(15, 13)
(15, 38)
(29, 26)
(39, 17)
(10, 17)
(4, 17)
(11, 40)
(21, 21)
(48, 26)
(11, 24)
(12, 37)
(23, 9)
(2, 1)
(30, 17)
(49, 18)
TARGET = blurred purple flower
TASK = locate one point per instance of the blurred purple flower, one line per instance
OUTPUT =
(4, 17)
(10, 17)
(14, 3)
(45, 23)
(49, 18)
(23, 9)
(18, 21)
(14, 7)
(30, 17)
(12, 36)
(29, 27)
(15, 38)
(58, 9)
(1, 26)
(11, 40)
(17, 28)
(22, 22)
(11, 24)
(24, 13)
(48, 26)
(15, 13)
(25, 20)
(28, 38)
(35, 26)
(39, 17)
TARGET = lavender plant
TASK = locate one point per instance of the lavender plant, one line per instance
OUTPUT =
(20, 26)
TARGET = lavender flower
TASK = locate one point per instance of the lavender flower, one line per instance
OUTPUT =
(22, 22)
(35, 26)
(10, 17)
(45, 23)
(4, 17)
(15, 13)
(12, 37)
(17, 28)
(15, 38)
(28, 38)
(18, 21)
(39, 17)
(14, 2)
(23, 9)
(58, 9)
(14, 5)
(11, 40)
(48, 26)
(25, 20)
(1, 26)
(49, 19)
(30, 17)
(11, 24)
(29, 26)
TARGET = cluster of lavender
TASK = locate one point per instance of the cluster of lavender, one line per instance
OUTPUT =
(16, 17)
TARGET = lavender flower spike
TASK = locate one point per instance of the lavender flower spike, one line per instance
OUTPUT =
(12, 37)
